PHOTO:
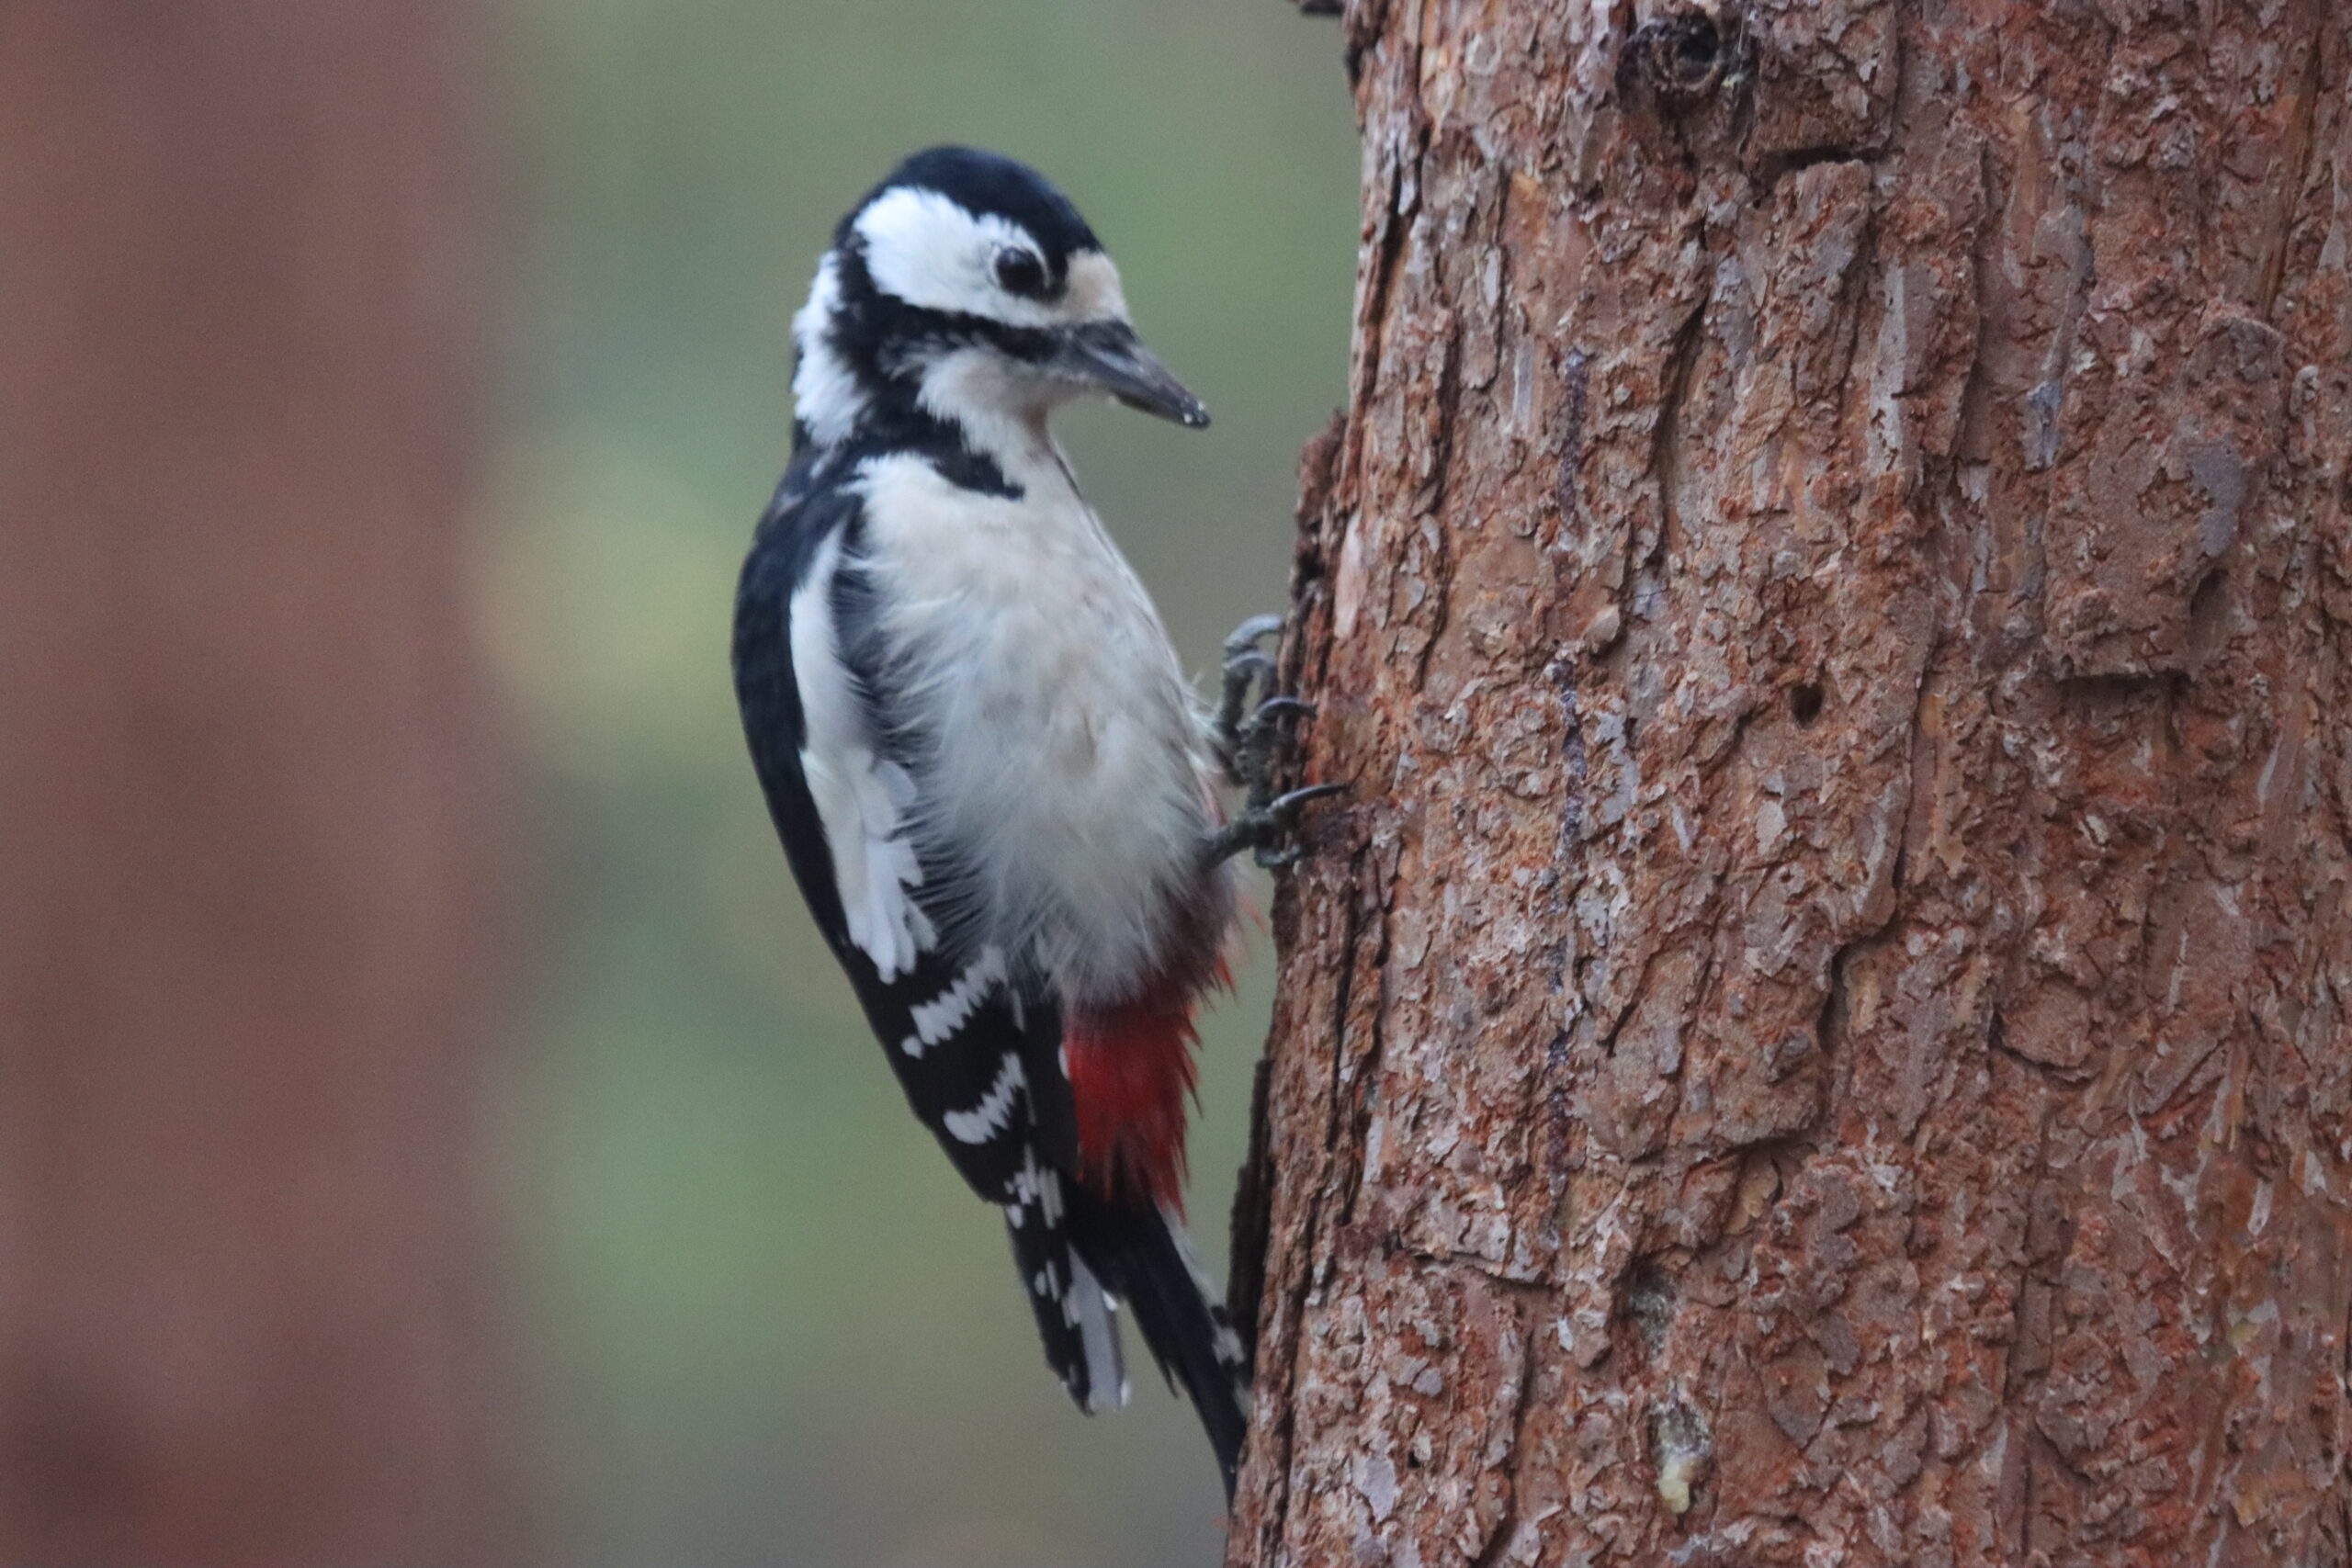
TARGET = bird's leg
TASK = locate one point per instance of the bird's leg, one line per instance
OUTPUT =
(1248, 739)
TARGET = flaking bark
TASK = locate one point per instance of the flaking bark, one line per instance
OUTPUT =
(1819, 1036)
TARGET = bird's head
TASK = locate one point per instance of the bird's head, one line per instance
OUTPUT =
(968, 289)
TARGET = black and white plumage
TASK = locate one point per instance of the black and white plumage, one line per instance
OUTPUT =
(992, 779)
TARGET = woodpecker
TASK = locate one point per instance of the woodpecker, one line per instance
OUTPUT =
(992, 782)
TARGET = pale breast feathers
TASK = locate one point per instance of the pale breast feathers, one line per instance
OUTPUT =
(1062, 766)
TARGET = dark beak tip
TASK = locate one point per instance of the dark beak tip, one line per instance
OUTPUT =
(1111, 362)
(1189, 414)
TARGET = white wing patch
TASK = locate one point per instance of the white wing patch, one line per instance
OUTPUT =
(1087, 1308)
(994, 1111)
(945, 1014)
(864, 800)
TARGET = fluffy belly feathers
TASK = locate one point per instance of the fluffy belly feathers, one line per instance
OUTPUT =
(1059, 733)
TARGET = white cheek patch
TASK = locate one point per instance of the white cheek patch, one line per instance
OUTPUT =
(998, 399)
(864, 800)
(926, 249)
(824, 391)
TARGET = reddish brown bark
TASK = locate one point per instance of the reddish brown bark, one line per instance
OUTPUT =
(243, 785)
(1820, 1038)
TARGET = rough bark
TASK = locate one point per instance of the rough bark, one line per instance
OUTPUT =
(1820, 1037)
(243, 920)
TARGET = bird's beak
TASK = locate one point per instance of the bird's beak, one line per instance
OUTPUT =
(1106, 357)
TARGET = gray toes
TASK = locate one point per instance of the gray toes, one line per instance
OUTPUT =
(1249, 633)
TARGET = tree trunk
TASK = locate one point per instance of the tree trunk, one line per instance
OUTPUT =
(1821, 1036)
(243, 785)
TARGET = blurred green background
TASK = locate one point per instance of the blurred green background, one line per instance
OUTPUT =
(768, 1325)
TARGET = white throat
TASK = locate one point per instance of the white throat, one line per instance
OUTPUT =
(1002, 410)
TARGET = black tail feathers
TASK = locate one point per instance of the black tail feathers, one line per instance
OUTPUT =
(1144, 1258)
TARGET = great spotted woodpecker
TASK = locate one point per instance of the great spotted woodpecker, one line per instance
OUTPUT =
(991, 779)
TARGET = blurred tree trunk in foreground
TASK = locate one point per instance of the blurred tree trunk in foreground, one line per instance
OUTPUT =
(247, 806)
(1822, 1037)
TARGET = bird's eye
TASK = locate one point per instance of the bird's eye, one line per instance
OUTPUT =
(1020, 272)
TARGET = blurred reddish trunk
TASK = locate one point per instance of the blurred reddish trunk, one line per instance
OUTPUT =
(243, 782)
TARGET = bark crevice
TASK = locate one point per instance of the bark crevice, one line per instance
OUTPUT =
(1862, 828)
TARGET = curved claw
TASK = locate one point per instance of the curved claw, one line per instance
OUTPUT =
(1246, 748)
(1261, 829)
(1250, 633)
(1275, 709)
(1287, 805)
(1249, 662)
(1242, 667)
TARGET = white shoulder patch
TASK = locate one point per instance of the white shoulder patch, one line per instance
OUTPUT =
(863, 800)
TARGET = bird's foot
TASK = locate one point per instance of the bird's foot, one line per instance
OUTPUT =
(1265, 827)
(1250, 738)
(1246, 665)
